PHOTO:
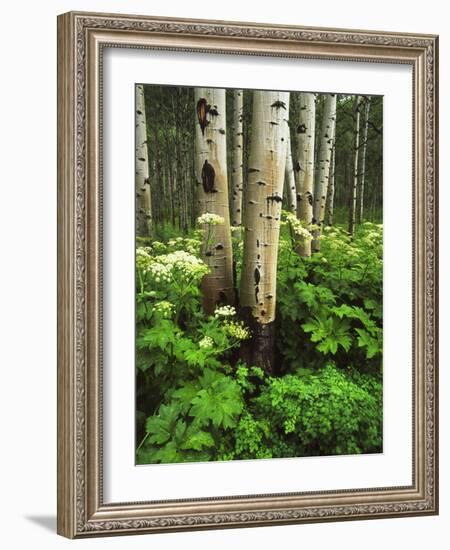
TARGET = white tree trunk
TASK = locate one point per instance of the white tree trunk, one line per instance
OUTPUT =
(363, 159)
(327, 132)
(237, 179)
(262, 213)
(142, 182)
(331, 190)
(306, 131)
(212, 195)
(352, 220)
(289, 175)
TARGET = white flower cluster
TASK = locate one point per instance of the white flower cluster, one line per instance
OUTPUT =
(189, 245)
(143, 258)
(210, 219)
(237, 330)
(161, 268)
(297, 227)
(224, 311)
(158, 247)
(165, 308)
(206, 342)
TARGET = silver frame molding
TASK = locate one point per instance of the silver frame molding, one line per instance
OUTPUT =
(81, 38)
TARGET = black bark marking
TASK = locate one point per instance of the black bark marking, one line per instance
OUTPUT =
(202, 111)
(297, 166)
(257, 276)
(213, 112)
(222, 131)
(279, 104)
(260, 182)
(301, 129)
(141, 159)
(219, 246)
(274, 198)
(208, 176)
(250, 170)
(256, 293)
(257, 243)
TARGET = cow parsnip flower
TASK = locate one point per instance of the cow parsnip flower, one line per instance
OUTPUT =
(165, 308)
(206, 342)
(237, 330)
(210, 219)
(224, 312)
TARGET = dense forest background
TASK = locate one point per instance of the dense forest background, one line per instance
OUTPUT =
(259, 274)
(171, 153)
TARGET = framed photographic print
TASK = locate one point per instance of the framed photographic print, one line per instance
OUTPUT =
(247, 284)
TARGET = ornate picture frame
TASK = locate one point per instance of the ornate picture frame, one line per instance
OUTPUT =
(82, 38)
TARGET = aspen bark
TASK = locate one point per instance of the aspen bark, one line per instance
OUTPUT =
(142, 181)
(267, 164)
(212, 196)
(306, 131)
(363, 159)
(289, 175)
(352, 217)
(327, 133)
(331, 186)
(237, 177)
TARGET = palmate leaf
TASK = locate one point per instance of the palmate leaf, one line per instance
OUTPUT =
(329, 333)
(365, 340)
(159, 336)
(185, 395)
(221, 403)
(160, 427)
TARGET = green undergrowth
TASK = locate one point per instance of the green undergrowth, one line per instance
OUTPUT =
(196, 401)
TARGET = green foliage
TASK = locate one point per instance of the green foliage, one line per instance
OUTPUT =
(197, 402)
(335, 309)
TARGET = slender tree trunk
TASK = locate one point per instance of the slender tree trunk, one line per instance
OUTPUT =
(327, 132)
(143, 197)
(363, 160)
(237, 178)
(306, 131)
(332, 185)
(212, 196)
(352, 218)
(289, 175)
(267, 164)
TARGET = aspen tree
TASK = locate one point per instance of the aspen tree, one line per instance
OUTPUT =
(262, 213)
(289, 175)
(306, 130)
(237, 177)
(352, 217)
(142, 181)
(363, 159)
(331, 190)
(212, 196)
(327, 132)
